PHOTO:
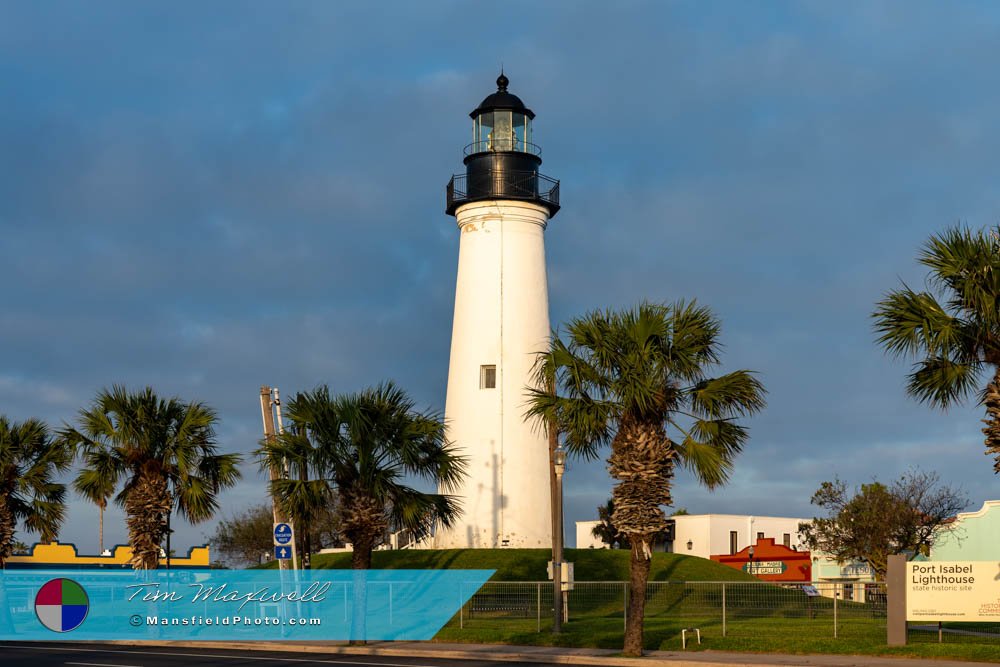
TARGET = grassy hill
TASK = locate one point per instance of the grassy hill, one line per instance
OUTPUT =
(530, 564)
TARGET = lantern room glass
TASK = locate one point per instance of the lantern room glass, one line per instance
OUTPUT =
(501, 130)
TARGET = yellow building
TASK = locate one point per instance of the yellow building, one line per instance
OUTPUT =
(56, 555)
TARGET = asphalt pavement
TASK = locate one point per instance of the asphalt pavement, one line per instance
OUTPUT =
(398, 654)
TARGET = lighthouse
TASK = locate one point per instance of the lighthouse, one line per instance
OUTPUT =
(502, 205)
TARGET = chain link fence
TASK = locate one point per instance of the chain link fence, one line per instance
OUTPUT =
(728, 609)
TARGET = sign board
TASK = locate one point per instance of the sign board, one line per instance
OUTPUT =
(765, 567)
(953, 591)
(283, 533)
(282, 553)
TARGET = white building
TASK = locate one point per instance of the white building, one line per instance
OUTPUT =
(704, 535)
(502, 206)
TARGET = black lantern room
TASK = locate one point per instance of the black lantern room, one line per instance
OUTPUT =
(502, 162)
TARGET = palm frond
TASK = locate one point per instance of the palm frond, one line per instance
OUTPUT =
(735, 394)
(942, 381)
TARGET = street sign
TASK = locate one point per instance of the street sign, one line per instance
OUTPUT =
(282, 553)
(283, 533)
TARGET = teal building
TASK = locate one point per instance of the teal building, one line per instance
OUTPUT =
(972, 536)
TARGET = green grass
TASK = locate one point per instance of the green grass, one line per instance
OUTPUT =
(764, 619)
(530, 564)
(761, 635)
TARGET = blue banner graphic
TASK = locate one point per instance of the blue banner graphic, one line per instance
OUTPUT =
(232, 605)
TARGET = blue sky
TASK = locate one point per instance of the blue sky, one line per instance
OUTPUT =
(208, 198)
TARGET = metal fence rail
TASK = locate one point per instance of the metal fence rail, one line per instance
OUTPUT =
(723, 609)
(730, 608)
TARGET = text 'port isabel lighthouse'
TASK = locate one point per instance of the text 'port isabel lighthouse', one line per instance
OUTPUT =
(502, 205)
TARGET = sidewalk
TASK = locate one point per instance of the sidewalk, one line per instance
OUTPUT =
(564, 656)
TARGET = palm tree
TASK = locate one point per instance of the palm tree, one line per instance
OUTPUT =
(30, 458)
(300, 498)
(636, 380)
(363, 446)
(953, 327)
(163, 453)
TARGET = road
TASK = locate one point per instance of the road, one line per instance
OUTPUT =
(63, 654)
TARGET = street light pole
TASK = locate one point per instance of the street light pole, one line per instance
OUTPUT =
(559, 465)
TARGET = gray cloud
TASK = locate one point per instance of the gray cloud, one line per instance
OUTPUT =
(210, 199)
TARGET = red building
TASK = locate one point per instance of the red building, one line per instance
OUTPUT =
(770, 562)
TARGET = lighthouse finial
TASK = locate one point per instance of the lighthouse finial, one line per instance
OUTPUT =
(502, 81)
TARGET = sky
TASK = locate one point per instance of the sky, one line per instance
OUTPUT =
(207, 198)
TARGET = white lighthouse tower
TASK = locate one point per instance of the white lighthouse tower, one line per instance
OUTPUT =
(502, 206)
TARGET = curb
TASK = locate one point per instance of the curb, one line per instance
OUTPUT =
(487, 652)
(556, 656)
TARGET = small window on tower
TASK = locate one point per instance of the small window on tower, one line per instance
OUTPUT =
(487, 377)
(786, 539)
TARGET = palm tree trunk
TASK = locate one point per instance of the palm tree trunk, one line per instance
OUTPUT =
(7, 526)
(635, 612)
(642, 459)
(992, 430)
(361, 557)
(146, 505)
(361, 562)
(364, 521)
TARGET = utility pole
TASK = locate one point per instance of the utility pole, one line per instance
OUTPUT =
(553, 433)
(267, 412)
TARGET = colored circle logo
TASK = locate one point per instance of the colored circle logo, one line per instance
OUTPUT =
(61, 605)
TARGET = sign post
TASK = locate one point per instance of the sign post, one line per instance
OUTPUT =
(284, 542)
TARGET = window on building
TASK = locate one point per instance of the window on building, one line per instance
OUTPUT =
(786, 539)
(487, 377)
(760, 536)
(734, 541)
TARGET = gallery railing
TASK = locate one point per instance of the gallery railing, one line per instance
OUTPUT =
(503, 184)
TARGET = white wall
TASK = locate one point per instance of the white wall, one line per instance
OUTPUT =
(585, 537)
(709, 533)
(501, 319)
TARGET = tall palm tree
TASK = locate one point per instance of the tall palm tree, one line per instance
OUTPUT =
(953, 327)
(162, 452)
(637, 380)
(30, 458)
(300, 498)
(363, 446)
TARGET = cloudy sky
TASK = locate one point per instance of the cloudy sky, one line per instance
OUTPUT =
(206, 198)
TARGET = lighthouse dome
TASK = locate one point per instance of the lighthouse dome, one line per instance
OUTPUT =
(502, 100)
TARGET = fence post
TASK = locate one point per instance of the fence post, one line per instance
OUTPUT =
(461, 609)
(625, 608)
(895, 595)
(723, 610)
(538, 607)
(836, 594)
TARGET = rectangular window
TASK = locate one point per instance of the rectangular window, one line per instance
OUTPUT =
(733, 542)
(487, 377)
(760, 536)
(786, 539)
